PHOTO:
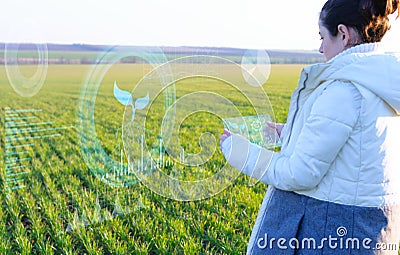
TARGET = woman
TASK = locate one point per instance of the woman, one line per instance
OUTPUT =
(335, 186)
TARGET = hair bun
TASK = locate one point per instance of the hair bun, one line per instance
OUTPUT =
(379, 8)
(395, 7)
(370, 18)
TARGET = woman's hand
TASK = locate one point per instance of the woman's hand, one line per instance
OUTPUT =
(223, 137)
(275, 126)
(245, 156)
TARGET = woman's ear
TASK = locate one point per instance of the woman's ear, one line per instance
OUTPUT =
(344, 35)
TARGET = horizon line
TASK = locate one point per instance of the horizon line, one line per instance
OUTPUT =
(161, 46)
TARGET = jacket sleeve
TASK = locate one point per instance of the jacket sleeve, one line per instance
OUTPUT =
(332, 118)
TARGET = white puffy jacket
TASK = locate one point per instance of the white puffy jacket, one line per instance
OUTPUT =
(341, 142)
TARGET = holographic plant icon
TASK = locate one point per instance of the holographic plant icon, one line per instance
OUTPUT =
(125, 98)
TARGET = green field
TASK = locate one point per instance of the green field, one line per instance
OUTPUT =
(61, 207)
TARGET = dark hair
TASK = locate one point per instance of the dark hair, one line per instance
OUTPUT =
(368, 17)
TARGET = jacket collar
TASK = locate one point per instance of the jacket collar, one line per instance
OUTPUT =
(319, 73)
(365, 65)
(362, 48)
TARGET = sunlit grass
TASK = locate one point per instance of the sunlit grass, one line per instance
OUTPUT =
(65, 209)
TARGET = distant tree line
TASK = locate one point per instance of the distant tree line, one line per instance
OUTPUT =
(87, 54)
(135, 60)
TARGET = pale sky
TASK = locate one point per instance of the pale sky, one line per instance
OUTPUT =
(255, 24)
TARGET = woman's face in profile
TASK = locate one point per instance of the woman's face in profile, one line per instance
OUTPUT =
(330, 45)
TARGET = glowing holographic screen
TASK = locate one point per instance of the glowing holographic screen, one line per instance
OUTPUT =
(255, 129)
